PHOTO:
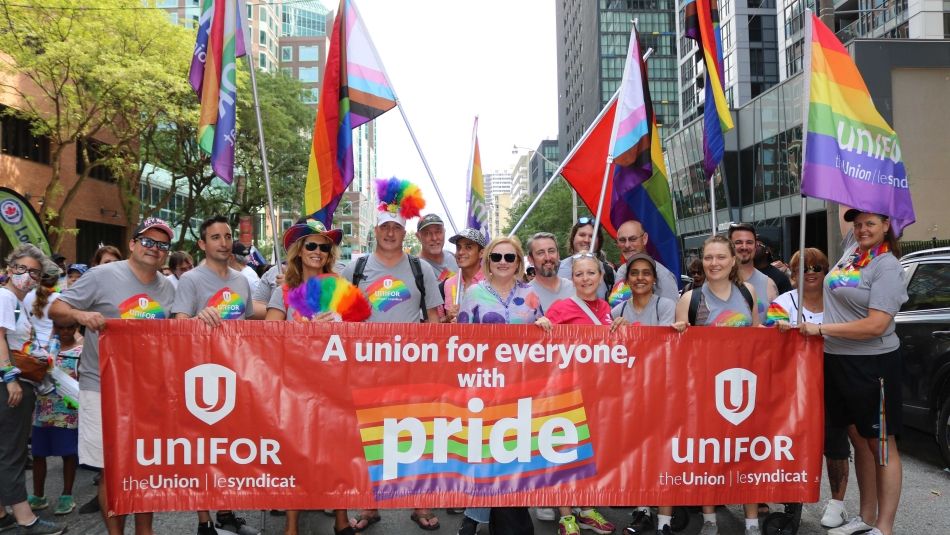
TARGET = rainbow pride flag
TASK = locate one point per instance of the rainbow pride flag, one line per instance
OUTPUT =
(477, 207)
(631, 132)
(702, 25)
(354, 91)
(213, 73)
(850, 155)
(464, 462)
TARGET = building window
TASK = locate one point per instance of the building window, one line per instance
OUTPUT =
(311, 95)
(286, 53)
(17, 139)
(347, 228)
(309, 75)
(309, 53)
(262, 61)
(94, 152)
(263, 38)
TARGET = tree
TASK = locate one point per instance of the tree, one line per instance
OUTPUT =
(550, 216)
(99, 78)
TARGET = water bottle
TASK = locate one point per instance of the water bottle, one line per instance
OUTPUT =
(54, 346)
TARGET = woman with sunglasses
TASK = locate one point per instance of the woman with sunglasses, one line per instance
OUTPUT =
(863, 293)
(582, 234)
(312, 250)
(17, 397)
(584, 308)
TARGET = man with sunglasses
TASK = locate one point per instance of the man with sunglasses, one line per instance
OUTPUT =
(127, 289)
(632, 239)
(744, 238)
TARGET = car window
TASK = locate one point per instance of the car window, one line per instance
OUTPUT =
(929, 287)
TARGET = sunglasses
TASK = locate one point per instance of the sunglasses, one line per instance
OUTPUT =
(530, 271)
(585, 221)
(509, 257)
(313, 246)
(585, 254)
(814, 269)
(148, 243)
(19, 269)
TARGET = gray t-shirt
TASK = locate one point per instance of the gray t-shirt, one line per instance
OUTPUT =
(851, 292)
(714, 312)
(666, 285)
(446, 269)
(114, 291)
(760, 283)
(265, 287)
(660, 311)
(201, 287)
(547, 297)
(392, 292)
(564, 271)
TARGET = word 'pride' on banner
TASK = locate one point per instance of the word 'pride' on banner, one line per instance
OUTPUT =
(322, 416)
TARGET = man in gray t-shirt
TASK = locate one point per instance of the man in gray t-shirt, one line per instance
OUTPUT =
(547, 284)
(431, 234)
(392, 292)
(632, 239)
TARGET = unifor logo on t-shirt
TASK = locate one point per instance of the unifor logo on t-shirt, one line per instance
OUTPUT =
(141, 307)
(387, 292)
(230, 304)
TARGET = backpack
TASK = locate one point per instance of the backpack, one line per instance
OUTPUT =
(697, 296)
(608, 276)
(416, 267)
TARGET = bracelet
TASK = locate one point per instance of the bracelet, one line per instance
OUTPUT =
(819, 330)
(10, 374)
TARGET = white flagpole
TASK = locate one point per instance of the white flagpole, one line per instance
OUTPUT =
(471, 170)
(405, 120)
(712, 202)
(806, 95)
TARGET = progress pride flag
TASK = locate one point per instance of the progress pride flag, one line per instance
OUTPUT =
(318, 416)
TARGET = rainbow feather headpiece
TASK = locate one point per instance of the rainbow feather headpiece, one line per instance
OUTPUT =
(327, 293)
(399, 200)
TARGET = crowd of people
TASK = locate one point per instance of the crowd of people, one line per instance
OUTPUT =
(733, 283)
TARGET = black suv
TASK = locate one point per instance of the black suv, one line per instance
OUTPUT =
(923, 325)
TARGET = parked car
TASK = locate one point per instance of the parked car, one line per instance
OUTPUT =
(923, 325)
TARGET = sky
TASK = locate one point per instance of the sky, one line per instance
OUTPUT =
(448, 61)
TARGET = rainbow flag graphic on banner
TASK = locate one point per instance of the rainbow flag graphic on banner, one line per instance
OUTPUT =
(851, 155)
(354, 91)
(477, 208)
(702, 25)
(439, 436)
(213, 76)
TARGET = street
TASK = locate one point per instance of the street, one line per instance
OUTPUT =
(925, 503)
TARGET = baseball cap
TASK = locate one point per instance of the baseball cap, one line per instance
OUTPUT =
(156, 223)
(428, 220)
(79, 268)
(853, 214)
(469, 233)
(641, 256)
(240, 249)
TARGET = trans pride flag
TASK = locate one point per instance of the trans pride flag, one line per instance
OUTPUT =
(213, 76)
(354, 91)
(702, 25)
(477, 208)
(851, 155)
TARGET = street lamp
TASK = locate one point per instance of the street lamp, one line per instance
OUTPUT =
(516, 148)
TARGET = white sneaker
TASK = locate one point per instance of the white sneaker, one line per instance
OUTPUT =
(709, 528)
(752, 530)
(854, 526)
(545, 514)
(834, 515)
(874, 531)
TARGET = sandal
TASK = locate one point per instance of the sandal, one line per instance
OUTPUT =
(366, 518)
(421, 520)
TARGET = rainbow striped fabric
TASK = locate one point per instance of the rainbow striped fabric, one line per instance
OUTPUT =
(631, 134)
(851, 155)
(213, 76)
(354, 91)
(477, 208)
(550, 398)
(702, 25)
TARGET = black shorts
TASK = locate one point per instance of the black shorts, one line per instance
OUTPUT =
(853, 392)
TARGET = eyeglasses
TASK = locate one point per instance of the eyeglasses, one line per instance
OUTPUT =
(313, 246)
(19, 269)
(631, 239)
(509, 257)
(814, 269)
(742, 226)
(585, 254)
(148, 243)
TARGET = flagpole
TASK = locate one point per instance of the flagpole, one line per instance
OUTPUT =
(260, 133)
(471, 170)
(712, 202)
(806, 91)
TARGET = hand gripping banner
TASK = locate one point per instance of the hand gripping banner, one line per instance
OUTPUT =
(256, 415)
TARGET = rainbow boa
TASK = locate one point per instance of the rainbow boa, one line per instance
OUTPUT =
(328, 293)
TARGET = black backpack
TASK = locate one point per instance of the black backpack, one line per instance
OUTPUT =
(414, 264)
(697, 296)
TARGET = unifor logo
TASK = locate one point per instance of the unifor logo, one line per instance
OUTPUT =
(735, 394)
(11, 212)
(210, 392)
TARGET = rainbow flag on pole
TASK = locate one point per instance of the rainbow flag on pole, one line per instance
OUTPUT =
(702, 25)
(477, 208)
(354, 91)
(213, 76)
(850, 155)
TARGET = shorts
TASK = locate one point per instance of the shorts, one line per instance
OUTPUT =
(54, 442)
(90, 429)
(837, 445)
(853, 392)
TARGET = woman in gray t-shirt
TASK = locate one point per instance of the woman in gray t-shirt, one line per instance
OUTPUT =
(644, 307)
(863, 292)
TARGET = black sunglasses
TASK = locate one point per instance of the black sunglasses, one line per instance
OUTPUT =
(814, 269)
(312, 246)
(509, 257)
(148, 243)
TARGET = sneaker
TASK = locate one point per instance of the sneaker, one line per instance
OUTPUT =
(41, 527)
(834, 514)
(592, 520)
(206, 528)
(545, 514)
(7, 522)
(455, 511)
(709, 528)
(752, 530)
(235, 524)
(568, 526)
(92, 506)
(874, 531)
(468, 527)
(65, 505)
(642, 522)
(855, 526)
(38, 503)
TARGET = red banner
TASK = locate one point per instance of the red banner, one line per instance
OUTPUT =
(282, 415)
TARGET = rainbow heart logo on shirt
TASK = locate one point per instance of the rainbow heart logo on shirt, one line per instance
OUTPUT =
(843, 278)
(141, 307)
(731, 318)
(386, 293)
(230, 304)
(620, 293)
